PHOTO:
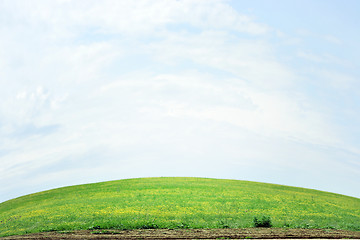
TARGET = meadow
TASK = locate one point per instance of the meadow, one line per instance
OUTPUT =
(174, 203)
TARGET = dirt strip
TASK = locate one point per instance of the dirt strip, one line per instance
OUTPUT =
(248, 233)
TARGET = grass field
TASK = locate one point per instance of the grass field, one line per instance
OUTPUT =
(176, 203)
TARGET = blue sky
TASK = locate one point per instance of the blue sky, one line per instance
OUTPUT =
(252, 90)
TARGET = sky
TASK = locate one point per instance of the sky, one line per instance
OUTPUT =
(256, 90)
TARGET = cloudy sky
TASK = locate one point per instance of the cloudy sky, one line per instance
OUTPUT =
(253, 90)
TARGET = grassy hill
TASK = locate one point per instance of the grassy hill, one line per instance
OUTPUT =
(176, 203)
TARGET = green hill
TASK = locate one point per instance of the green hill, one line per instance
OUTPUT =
(176, 203)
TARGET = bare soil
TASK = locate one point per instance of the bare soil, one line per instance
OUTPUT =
(248, 233)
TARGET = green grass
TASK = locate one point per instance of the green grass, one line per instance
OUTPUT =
(176, 203)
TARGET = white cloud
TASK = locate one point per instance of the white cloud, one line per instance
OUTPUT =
(232, 101)
(312, 57)
(138, 17)
(241, 57)
(332, 39)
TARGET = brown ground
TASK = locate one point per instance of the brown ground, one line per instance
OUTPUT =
(257, 233)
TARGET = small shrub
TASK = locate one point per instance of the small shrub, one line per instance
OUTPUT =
(286, 225)
(95, 227)
(265, 221)
(183, 226)
(223, 224)
(149, 225)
